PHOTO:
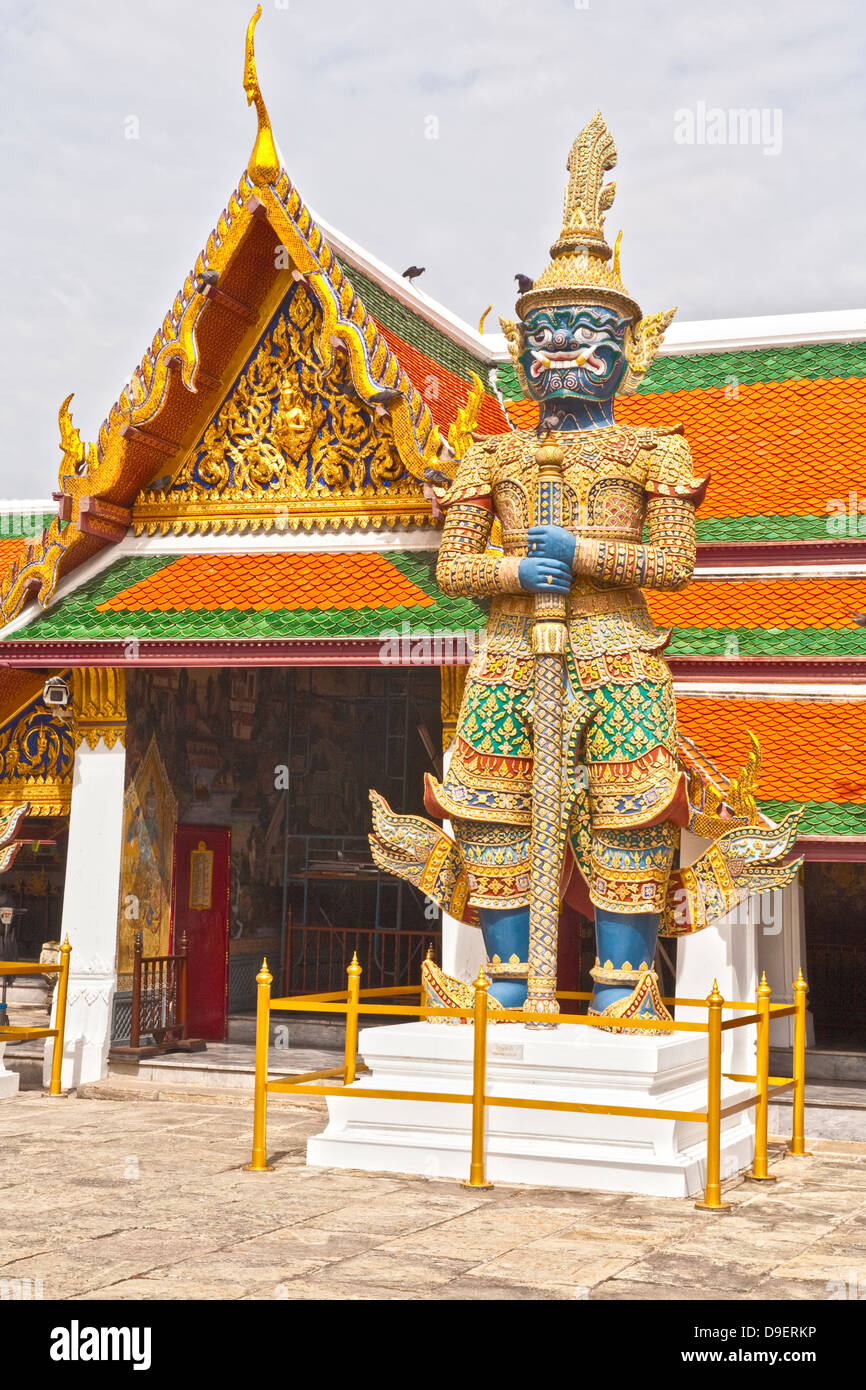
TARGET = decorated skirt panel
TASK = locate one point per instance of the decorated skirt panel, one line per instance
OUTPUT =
(620, 775)
(630, 868)
(497, 860)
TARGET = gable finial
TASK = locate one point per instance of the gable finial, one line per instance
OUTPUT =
(264, 162)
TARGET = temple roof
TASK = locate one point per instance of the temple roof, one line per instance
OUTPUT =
(781, 431)
(812, 755)
(260, 493)
(223, 598)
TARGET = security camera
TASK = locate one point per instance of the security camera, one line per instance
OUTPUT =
(56, 692)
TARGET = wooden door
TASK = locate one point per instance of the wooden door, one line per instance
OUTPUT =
(200, 907)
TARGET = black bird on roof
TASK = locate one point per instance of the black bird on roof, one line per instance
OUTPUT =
(524, 283)
(413, 272)
(205, 277)
(859, 619)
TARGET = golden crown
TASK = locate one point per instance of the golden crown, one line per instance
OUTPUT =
(578, 272)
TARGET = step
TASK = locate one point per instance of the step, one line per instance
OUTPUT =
(822, 1064)
(228, 1065)
(326, 1031)
(131, 1088)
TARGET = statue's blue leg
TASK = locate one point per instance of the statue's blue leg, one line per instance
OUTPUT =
(506, 934)
(623, 938)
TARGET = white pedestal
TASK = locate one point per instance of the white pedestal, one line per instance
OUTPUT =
(607, 1153)
(9, 1080)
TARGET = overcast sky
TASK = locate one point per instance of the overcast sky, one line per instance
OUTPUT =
(99, 230)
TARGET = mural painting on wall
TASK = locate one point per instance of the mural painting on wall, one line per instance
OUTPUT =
(149, 815)
(220, 733)
(223, 738)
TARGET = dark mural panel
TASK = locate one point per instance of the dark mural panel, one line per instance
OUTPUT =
(835, 904)
(284, 758)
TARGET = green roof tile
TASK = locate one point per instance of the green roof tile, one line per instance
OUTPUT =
(76, 617)
(821, 817)
(767, 641)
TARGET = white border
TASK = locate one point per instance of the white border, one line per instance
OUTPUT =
(682, 338)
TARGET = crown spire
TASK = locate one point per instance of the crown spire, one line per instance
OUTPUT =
(579, 272)
(264, 162)
(582, 268)
(587, 197)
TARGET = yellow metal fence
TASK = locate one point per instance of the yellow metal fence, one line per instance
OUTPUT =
(13, 1033)
(353, 1001)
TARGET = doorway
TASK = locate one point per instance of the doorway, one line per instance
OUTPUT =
(200, 910)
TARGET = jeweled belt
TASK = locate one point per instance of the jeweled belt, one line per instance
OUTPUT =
(582, 600)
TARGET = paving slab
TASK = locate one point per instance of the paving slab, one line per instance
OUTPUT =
(137, 1200)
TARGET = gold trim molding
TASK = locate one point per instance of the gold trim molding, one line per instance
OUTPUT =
(99, 705)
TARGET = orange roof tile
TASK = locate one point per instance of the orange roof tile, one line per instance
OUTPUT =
(813, 602)
(444, 392)
(270, 583)
(812, 749)
(789, 447)
(11, 549)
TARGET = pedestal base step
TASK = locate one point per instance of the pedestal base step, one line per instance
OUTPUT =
(600, 1152)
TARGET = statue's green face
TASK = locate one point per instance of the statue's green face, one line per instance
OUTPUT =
(574, 351)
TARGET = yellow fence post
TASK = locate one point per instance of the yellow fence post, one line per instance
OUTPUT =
(712, 1199)
(60, 1019)
(353, 995)
(479, 1080)
(798, 1128)
(259, 1160)
(759, 1171)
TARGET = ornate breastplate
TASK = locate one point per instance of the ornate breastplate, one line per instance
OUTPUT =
(604, 478)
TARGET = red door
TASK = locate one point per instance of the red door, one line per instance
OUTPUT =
(200, 907)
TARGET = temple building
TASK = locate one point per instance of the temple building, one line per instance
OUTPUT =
(225, 626)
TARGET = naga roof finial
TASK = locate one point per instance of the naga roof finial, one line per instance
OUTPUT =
(264, 162)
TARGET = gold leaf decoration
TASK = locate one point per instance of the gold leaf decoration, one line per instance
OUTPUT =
(742, 787)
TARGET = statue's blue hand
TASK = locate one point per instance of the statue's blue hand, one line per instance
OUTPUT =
(544, 576)
(552, 543)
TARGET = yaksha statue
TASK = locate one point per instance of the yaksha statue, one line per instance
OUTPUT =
(565, 782)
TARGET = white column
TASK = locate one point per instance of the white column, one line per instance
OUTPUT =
(727, 952)
(782, 953)
(90, 902)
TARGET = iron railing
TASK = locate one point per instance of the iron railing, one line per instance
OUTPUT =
(317, 957)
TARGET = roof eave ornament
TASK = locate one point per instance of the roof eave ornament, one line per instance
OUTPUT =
(264, 162)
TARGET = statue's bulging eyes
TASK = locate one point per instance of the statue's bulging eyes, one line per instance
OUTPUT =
(585, 333)
(540, 337)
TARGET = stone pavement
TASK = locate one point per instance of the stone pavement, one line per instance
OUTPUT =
(144, 1199)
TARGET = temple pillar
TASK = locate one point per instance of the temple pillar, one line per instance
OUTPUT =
(90, 896)
(782, 954)
(727, 951)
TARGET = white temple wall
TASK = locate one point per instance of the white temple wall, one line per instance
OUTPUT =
(782, 954)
